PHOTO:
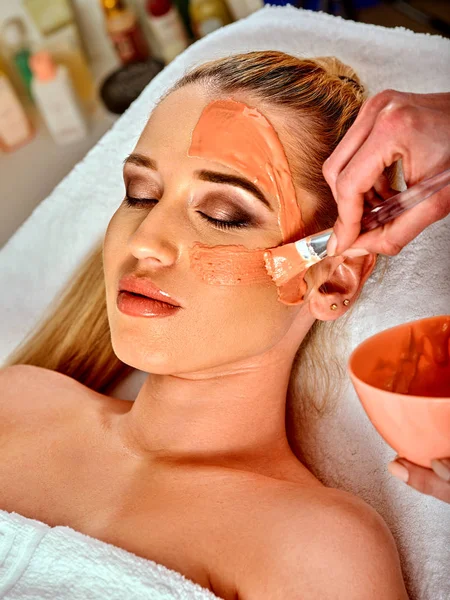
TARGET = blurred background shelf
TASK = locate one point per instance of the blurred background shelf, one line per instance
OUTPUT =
(30, 173)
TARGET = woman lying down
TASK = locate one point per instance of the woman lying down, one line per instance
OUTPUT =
(197, 474)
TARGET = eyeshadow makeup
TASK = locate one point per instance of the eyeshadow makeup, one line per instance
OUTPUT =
(241, 138)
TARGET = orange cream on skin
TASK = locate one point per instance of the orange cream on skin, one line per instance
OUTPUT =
(241, 138)
(229, 265)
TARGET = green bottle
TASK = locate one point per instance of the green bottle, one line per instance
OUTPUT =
(14, 36)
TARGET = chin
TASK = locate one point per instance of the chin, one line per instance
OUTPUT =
(166, 363)
(146, 360)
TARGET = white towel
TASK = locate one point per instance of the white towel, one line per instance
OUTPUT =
(346, 450)
(38, 562)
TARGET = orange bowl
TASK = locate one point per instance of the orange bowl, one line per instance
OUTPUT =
(402, 378)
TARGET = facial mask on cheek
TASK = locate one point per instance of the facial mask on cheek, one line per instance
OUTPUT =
(240, 137)
(229, 265)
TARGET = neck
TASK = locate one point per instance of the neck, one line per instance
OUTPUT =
(232, 416)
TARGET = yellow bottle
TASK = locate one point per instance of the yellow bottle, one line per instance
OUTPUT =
(55, 21)
(65, 47)
(208, 15)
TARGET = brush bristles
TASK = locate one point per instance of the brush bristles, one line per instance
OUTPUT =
(283, 263)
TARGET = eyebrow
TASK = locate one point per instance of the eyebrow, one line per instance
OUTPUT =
(140, 160)
(241, 182)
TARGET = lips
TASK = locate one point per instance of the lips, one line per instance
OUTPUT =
(146, 288)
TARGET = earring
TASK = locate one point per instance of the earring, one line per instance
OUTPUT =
(333, 306)
(346, 302)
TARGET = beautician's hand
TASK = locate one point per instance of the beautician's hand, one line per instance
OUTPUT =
(434, 482)
(390, 126)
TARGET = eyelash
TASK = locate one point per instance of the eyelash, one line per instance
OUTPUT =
(226, 225)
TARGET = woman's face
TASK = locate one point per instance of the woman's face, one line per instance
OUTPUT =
(181, 202)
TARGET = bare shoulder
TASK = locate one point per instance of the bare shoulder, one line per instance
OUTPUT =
(29, 378)
(27, 390)
(325, 543)
(27, 374)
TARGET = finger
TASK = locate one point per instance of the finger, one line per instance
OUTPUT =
(354, 138)
(383, 188)
(387, 105)
(348, 232)
(389, 239)
(380, 192)
(372, 199)
(421, 479)
(442, 468)
(357, 178)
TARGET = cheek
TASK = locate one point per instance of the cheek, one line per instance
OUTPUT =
(114, 240)
(242, 294)
(242, 321)
(228, 265)
(114, 253)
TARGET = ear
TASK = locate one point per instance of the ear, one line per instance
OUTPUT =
(335, 280)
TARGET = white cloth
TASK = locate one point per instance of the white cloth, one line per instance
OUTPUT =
(347, 452)
(38, 562)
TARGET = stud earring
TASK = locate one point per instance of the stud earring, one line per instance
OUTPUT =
(333, 306)
(346, 302)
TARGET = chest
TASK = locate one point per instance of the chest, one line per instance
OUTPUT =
(190, 529)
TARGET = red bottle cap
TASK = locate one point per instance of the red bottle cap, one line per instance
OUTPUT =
(158, 8)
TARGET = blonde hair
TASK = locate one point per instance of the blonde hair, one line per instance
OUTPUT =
(321, 98)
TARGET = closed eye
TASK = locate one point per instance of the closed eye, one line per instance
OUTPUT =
(225, 224)
(139, 202)
(217, 223)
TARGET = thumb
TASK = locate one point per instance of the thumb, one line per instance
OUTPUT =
(423, 480)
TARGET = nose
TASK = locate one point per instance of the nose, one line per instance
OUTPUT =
(155, 240)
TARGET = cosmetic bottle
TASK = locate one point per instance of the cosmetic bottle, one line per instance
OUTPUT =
(15, 127)
(208, 15)
(243, 8)
(14, 38)
(183, 9)
(167, 27)
(56, 99)
(55, 21)
(125, 32)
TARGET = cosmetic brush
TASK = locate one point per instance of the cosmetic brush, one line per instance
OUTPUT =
(285, 262)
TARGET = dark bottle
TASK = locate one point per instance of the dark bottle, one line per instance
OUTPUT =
(125, 32)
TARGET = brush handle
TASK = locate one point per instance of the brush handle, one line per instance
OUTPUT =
(315, 246)
(396, 205)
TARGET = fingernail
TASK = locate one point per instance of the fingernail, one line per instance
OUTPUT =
(441, 469)
(332, 244)
(399, 471)
(355, 252)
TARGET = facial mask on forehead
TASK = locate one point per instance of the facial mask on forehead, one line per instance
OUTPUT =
(241, 138)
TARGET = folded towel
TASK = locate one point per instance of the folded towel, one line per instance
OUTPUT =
(346, 450)
(39, 562)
